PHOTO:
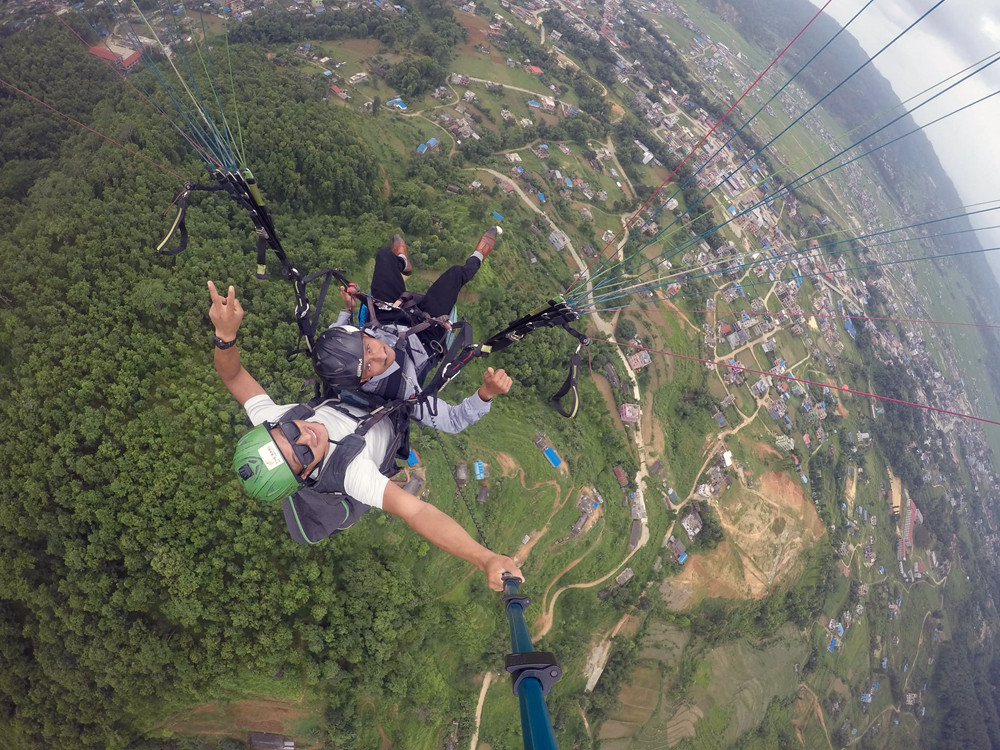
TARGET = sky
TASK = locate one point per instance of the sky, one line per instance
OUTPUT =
(952, 37)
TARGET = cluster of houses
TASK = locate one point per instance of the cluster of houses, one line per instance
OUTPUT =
(481, 473)
(588, 504)
(458, 122)
(430, 146)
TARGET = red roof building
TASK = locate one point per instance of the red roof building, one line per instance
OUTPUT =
(534, 70)
(638, 360)
(620, 476)
(125, 58)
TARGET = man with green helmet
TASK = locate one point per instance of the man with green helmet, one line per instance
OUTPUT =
(297, 449)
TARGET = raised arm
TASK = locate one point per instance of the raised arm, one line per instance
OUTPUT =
(227, 314)
(444, 532)
(453, 419)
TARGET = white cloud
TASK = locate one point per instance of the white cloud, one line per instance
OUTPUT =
(990, 28)
(941, 45)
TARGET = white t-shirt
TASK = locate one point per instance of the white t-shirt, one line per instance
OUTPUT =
(363, 480)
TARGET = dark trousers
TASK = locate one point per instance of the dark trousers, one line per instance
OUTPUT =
(388, 283)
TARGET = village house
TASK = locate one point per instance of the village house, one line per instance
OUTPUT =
(414, 484)
(630, 413)
(677, 549)
(692, 524)
(638, 360)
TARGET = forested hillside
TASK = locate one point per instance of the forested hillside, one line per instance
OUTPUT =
(134, 577)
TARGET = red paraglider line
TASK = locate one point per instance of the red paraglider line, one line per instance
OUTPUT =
(704, 138)
(641, 308)
(122, 146)
(841, 388)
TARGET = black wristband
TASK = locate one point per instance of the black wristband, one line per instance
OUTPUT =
(220, 344)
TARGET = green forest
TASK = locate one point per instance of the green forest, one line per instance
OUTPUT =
(136, 578)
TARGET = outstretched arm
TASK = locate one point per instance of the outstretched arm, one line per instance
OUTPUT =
(227, 314)
(443, 531)
(453, 419)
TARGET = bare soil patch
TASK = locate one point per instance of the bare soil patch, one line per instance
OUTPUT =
(710, 574)
(766, 533)
(785, 490)
(477, 27)
(262, 715)
(763, 450)
(386, 745)
(838, 686)
(806, 709)
(508, 465)
(850, 491)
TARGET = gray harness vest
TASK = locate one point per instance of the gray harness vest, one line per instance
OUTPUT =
(322, 507)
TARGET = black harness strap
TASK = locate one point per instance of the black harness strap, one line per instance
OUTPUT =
(179, 224)
(462, 351)
(569, 387)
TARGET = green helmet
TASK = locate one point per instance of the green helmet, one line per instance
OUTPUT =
(261, 467)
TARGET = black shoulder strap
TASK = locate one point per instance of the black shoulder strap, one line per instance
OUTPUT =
(569, 387)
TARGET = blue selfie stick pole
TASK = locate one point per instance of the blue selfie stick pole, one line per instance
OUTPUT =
(534, 672)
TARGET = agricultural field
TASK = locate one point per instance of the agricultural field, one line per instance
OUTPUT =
(728, 696)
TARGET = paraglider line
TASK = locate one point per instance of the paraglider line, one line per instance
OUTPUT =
(705, 137)
(122, 146)
(841, 388)
(779, 313)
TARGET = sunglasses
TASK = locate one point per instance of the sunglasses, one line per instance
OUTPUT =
(292, 432)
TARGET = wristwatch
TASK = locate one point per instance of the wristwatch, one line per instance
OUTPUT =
(220, 344)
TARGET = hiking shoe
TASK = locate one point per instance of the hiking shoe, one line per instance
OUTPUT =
(487, 242)
(399, 250)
